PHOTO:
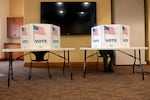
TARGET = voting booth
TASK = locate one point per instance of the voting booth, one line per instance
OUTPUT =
(113, 35)
(40, 36)
(125, 36)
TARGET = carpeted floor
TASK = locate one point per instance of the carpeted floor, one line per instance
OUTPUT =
(120, 85)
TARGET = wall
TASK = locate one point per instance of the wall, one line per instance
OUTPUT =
(4, 12)
(148, 29)
(16, 10)
(130, 12)
(32, 15)
(30, 10)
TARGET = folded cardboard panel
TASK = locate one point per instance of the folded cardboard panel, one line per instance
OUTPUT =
(107, 36)
(40, 36)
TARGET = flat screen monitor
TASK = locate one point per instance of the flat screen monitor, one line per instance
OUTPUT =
(74, 18)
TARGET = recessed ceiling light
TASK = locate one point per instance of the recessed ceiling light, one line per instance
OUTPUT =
(61, 11)
(59, 3)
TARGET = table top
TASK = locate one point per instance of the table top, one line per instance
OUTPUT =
(82, 48)
(125, 48)
(28, 50)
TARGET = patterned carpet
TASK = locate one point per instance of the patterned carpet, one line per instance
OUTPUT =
(120, 85)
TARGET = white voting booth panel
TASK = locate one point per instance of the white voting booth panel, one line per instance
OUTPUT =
(40, 36)
(113, 35)
(125, 36)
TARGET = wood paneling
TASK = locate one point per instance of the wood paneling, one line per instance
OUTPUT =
(15, 54)
(13, 26)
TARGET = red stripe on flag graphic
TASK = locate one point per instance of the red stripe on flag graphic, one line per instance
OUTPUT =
(109, 30)
(55, 31)
(38, 30)
(95, 31)
(125, 30)
(24, 31)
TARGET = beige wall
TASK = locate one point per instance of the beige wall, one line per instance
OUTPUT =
(4, 12)
(16, 9)
(135, 18)
(32, 15)
(31, 11)
(148, 28)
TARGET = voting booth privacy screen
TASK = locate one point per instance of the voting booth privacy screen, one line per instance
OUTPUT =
(40, 36)
(107, 36)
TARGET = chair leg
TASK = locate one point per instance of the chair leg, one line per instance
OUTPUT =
(50, 76)
(97, 63)
(63, 70)
(30, 71)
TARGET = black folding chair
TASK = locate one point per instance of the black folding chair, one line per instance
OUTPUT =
(39, 57)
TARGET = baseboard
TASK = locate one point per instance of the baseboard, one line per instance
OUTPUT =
(148, 62)
(2, 59)
(73, 64)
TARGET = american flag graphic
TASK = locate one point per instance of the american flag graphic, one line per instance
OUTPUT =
(125, 31)
(24, 31)
(109, 30)
(95, 31)
(38, 30)
(55, 31)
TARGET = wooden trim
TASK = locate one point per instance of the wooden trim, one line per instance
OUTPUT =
(73, 64)
(2, 59)
(148, 62)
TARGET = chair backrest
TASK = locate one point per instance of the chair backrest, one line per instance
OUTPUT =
(39, 55)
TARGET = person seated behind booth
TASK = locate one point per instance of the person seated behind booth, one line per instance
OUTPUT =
(108, 66)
